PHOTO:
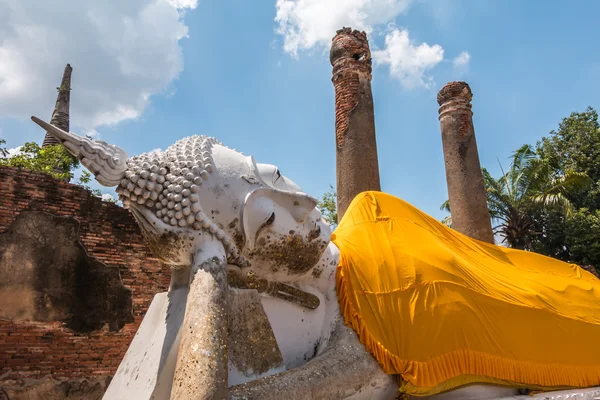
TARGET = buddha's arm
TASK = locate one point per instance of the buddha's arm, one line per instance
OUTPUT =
(344, 370)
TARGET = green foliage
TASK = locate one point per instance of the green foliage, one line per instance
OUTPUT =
(574, 146)
(582, 237)
(3, 151)
(530, 186)
(550, 236)
(86, 178)
(328, 206)
(52, 160)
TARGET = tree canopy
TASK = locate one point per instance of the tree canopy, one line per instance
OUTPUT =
(52, 160)
(575, 146)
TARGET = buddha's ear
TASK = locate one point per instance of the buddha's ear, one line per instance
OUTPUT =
(260, 203)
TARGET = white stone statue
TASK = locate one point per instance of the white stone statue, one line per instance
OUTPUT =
(252, 311)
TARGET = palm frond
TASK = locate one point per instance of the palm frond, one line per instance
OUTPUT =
(557, 201)
(570, 182)
(445, 206)
(504, 181)
(522, 159)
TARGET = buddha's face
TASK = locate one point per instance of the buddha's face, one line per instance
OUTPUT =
(267, 224)
(285, 233)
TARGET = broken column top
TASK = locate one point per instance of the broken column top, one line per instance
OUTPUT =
(458, 91)
(454, 97)
(350, 51)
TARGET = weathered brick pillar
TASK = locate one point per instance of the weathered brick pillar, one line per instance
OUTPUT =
(466, 191)
(357, 168)
(60, 115)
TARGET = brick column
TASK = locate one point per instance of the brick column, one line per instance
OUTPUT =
(466, 191)
(357, 167)
(60, 115)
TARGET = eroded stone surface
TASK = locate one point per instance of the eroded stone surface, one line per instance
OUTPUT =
(253, 349)
(466, 190)
(50, 389)
(202, 366)
(294, 253)
(344, 371)
(46, 275)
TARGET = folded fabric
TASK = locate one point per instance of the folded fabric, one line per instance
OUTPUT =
(443, 310)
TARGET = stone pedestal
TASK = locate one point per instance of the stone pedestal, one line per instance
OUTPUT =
(466, 191)
(357, 167)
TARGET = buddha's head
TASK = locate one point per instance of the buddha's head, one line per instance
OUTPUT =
(199, 188)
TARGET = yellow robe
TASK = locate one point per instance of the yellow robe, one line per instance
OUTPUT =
(443, 310)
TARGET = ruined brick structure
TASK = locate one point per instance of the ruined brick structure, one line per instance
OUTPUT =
(357, 168)
(76, 279)
(60, 115)
(466, 191)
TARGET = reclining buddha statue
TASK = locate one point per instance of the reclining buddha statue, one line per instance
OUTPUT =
(392, 303)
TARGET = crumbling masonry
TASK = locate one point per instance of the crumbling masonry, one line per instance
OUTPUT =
(357, 168)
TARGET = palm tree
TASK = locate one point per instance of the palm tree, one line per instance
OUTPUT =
(529, 185)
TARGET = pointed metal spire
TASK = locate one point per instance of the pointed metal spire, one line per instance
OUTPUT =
(60, 115)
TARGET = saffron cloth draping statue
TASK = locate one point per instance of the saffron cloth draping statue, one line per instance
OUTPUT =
(266, 303)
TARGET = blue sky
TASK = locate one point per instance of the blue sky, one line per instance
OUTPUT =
(228, 69)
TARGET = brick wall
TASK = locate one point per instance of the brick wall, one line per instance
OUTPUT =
(347, 89)
(109, 233)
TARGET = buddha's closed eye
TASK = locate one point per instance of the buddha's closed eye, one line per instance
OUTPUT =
(267, 223)
(278, 175)
(270, 220)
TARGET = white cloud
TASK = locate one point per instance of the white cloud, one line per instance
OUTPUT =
(183, 4)
(407, 61)
(305, 24)
(108, 197)
(122, 53)
(14, 151)
(462, 60)
(113, 198)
